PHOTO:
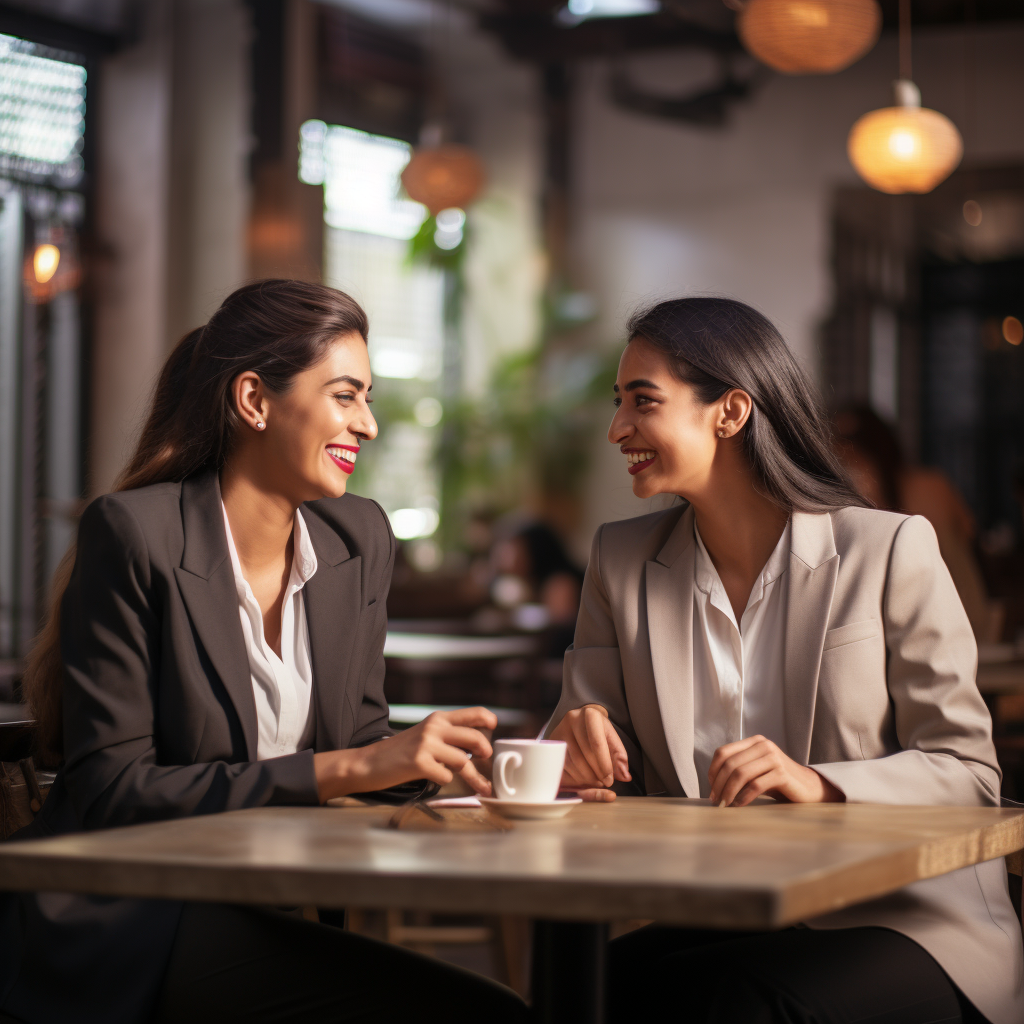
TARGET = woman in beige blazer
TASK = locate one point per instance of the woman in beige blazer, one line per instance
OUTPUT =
(773, 635)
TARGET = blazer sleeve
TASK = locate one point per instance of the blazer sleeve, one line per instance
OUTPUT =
(941, 721)
(371, 718)
(592, 669)
(110, 644)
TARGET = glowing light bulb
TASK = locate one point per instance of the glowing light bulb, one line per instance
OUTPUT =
(905, 148)
(903, 144)
(44, 262)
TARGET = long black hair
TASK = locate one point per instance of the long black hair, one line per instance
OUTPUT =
(715, 345)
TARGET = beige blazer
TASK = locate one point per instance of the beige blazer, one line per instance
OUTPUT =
(880, 698)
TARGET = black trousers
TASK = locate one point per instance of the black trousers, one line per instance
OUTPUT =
(261, 966)
(796, 976)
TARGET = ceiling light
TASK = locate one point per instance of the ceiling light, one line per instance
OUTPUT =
(44, 262)
(904, 148)
(809, 37)
(443, 177)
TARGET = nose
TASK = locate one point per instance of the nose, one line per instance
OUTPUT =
(620, 430)
(364, 426)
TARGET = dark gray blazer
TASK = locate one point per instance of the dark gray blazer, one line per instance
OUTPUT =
(160, 720)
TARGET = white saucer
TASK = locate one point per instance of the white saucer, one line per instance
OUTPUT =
(526, 810)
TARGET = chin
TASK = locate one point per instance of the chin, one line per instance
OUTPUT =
(335, 490)
(645, 488)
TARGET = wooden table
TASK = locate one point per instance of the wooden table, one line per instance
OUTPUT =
(1001, 678)
(675, 861)
(441, 647)
(431, 668)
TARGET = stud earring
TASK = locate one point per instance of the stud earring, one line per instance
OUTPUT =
(721, 433)
(260, 424)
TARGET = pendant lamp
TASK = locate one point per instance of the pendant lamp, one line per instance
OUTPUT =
(443, 177)
(906, 147)
(809, 37)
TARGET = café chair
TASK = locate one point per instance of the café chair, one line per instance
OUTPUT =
(23, 787)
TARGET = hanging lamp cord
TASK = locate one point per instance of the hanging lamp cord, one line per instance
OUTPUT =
(906, 67)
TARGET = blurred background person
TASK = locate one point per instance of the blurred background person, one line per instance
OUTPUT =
(873, 456)
(533, 572)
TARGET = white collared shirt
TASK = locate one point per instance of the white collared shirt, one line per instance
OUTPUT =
(737, 667)
(282, 687)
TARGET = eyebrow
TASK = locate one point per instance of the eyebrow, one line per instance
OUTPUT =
(634, 384)
(354, 381)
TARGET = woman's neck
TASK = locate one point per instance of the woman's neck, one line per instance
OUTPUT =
(261, 522)
(740, 528)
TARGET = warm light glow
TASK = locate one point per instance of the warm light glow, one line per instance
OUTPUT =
(443, 177)
(1013, 330)
(904, 149)
(44, 262)
(904, 145)
(972, 212)
(809, 15)
(809, 37)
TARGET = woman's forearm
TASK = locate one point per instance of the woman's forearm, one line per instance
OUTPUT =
(340, 772)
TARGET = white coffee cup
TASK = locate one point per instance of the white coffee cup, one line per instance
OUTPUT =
(529, 771)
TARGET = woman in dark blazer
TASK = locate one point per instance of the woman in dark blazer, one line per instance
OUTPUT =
(163, 703)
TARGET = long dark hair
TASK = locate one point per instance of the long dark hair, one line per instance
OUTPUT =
(276, 329)
(717, 344)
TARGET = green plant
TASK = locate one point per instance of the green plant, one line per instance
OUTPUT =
(531, 433)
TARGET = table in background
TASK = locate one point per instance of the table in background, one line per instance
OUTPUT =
(1001, 679)
(442, 668)
(674, 861)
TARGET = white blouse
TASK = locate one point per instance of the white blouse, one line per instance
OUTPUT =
(737, 667)
(282, 687)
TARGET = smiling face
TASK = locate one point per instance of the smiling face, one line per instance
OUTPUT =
(311, 434)
(669, 437)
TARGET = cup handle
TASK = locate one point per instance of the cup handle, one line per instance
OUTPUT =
(501, 761)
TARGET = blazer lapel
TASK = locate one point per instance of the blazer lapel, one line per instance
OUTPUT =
(333, 600)
(207, 586)
(813, 570)
(669, 582)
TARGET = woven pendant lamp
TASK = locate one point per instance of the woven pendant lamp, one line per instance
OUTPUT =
(905, 148)
(443, 177)
(809, 37)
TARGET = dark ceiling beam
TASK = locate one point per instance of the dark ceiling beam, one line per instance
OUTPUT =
(535, 37)
(58, 34)
(528, 29)
(952, 13)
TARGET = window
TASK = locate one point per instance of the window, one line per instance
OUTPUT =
(368, 225)
(42, 136)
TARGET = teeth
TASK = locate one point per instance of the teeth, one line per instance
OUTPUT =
(632, 458)
(341, 453)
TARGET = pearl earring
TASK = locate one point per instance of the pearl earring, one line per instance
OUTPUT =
(260, 424)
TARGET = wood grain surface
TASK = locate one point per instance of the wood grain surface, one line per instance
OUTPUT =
(676, 861)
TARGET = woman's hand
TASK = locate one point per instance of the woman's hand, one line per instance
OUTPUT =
(594, 756)
(754, 767)
(438, 748)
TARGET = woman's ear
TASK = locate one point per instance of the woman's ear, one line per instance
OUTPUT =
(734, 409)
(250, 401)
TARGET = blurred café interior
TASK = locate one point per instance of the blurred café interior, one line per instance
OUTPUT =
(500, 183)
